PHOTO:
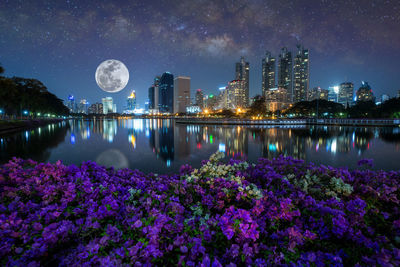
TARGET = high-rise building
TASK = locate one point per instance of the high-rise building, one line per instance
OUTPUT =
(285, 65)
(211, 102)
(71, 104)
(398, 94)
(301, 74)
(107, 105)
(131, 101)
(199, 98)
(364, 93)
(317, 93)
(83, 106)
(181, 94)
(236, 94)
(96, 108)
(242, 74)
(166, 93)
(268, 73)
(346, 94)
(154, 95)
(333, 93)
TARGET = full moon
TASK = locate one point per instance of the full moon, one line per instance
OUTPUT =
(112, 76)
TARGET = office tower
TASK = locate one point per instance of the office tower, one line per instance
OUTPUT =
(318, 93)
(131, 101)
(211, 102)
(107, 105)
(166, 93)
(301, 73)
(71, 104)
(181, 94)
(236, 94)
(276, 99)
(285, 72)
(346, 94)
(114, 108)
(268, 73)
(199, 98)
(96, 108)
(364, 93)
(333, 93)
(83, 106)
(154, 95)
(242, 74)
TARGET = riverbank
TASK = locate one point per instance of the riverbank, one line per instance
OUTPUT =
(338, 122)
(277, 212)
(7, 126)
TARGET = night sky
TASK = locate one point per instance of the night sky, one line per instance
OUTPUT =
(61, 43)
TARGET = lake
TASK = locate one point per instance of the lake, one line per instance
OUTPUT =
(162, 146)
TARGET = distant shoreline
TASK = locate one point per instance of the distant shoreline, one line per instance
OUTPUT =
(19, 125)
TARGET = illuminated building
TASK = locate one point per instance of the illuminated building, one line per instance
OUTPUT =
(96, 108)
(193, 109)
(71, 104)
(317, 93)
(242, 74)
(83, 106)
(199, 98)
(276, 99)
(166, 93)
(285, 72)
(236, 94)
(181, 94)
(364, 93)
(346, 94)
(384, 98)
(301, 75)
(131, 101)
(268, 73)
(211, 102)
(108, 106)
(154, 96)
(398, 94)
(333, 93)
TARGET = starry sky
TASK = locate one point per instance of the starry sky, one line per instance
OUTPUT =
(61, 43)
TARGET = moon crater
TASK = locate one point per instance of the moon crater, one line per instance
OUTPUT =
(112, 76)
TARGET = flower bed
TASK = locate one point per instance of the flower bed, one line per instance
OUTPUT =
(275, 212)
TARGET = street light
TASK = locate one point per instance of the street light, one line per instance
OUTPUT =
(26, 112)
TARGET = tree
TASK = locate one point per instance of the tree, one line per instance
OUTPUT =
(258, 106)
(321, 107)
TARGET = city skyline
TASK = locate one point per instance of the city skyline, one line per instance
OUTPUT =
(62, 43)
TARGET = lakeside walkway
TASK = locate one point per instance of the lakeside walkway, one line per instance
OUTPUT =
(341, 122)
(7, 126)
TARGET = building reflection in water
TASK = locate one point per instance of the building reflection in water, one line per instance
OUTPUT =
(161, 139)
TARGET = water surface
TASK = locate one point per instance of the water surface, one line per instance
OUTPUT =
(162, 146)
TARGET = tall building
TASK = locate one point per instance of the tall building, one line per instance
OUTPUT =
(301, 74)
(153, 95)
(317, 93)
(131, 101)
(398, 94)
(166, 93)
(346, 94)
(333, 93)
(83, 106)
(236, 94)
(199, 98)
(285, 71)
(96, 108)
(242, 74)
(364, 93)
(71, 104)
(181, 94)
(108, 106)
(268, 73)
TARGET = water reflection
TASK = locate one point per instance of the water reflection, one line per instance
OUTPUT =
(161, 145)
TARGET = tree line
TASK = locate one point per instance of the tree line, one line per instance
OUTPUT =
(28, 97)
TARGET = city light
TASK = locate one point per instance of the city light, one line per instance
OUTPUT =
(336, 89)
(25, 112)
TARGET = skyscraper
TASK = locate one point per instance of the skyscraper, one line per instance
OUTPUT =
(242, 74)
(236, 94)
(83, 106)
(107, 105)
(166, 93)
(131, 101)
(346, 94)
(154, 95)
(285, 71)
(333, 93)
(96, 108)
(268, 73)
(199, 98)
(71, 104)
(181, 94)
(301, 74)
(317, 93)
(364, 93)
